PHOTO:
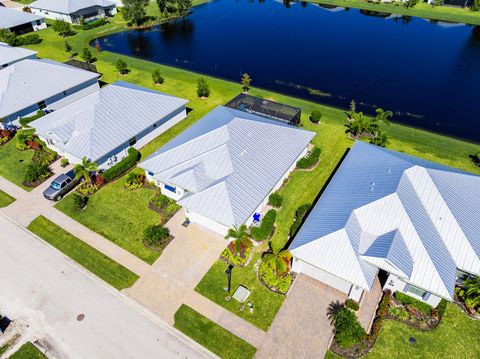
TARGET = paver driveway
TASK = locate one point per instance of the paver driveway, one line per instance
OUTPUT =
(301, 328)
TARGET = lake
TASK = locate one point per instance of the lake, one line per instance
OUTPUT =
(427, 73)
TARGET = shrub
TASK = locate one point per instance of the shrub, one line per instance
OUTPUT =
(315, 116)
(123, 166)
(310, 160)
(281, 284)
(476, 5)
(160, 201)
(36, 172)
(87, 189)
(299, 215)
(238, 251)
(441, 308)
(94, 24)
(275, 200)
(67, 46)
(157, 77)
(24, 121)
(351, 304)
(86, 55)
(203, 90)
(79, 201)
(156, 235)
(29, 39)
(122, 67)
(412, 302)
(348, 330)
(44, 156)
(399, 312)
(264, 231)
(134, 180)
(64, 162)
(63, 28)
(171, 209)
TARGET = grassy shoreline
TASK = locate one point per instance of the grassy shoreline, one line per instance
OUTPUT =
(423, 10)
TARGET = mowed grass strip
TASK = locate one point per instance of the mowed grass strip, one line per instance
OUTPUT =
(28, 351)
(88, 257)
(5, 199)
(211, 335)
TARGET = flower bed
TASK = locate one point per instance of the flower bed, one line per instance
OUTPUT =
(238, 252)
(6, 136)
(269, 279)
(163, 205)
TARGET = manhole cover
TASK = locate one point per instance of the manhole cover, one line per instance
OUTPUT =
(80, 317)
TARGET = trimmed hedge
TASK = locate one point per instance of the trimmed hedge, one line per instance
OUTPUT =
(315, 116)
(123, 166)
(93, 24)
(264, 231)
(412, 302)
(310, 160)
(275, 200)
(299, 215)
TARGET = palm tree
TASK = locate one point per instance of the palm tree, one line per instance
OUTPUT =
(333, 309)
(380, 139)
(84, 169)
(383, 116)
(240, 233)
(278, 260)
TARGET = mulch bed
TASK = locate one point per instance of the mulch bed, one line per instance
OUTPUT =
(38, 182)
(474, 316)
(275, 290)
(161, 248)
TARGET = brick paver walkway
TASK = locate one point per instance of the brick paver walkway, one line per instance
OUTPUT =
(368, 305)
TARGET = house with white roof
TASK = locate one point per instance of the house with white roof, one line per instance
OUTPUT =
(73, 11)
(223, 168)
(414, 221)
(20, 22)
(10, 55)
(103, 125)
(30, 85)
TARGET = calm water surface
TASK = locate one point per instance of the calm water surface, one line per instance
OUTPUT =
(427, 73)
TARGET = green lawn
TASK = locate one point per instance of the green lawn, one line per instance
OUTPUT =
(455, 337)
(5, 199)
(442, 13)
(119, 215)
(107, 269)
(13, 163)
(28, 351)
(212, 336)
(266, 303)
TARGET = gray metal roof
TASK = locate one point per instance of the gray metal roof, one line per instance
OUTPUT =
(68, 6)
(28, 82)
(229, 161)
(434, 211)
(10, 54)
(10, 18)
(100, 122)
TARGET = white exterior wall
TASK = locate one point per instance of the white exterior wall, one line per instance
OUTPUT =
(276, 187)
(74, 18)
(52, 15)
(206, 222)
(396, 284)
(331, 280)
(43, 25)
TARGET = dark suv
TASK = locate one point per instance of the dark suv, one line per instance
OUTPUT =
(60, 186)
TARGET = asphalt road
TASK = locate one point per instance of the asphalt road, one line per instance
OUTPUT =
(48, 291)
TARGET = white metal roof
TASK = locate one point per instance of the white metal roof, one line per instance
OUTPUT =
(100, 122)
(9, 54)
(229, 161)
(10, 18)
(68, 6)
(28, 82)
(414, 218)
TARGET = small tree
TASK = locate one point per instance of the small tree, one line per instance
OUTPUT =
(184, 6)
(315, 116)
(278, 260)
(240, 233)
(157, 77)
(203, 90)
(84, 169)
(380, 139)
(87, 55)
(121, 66)
(476, 5)
(245, 81)
(68, 47)
(62, 27)
(135, 11)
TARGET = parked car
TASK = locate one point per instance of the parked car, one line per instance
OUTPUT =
(60, 186)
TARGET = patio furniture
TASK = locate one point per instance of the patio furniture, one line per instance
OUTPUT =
(241, 294)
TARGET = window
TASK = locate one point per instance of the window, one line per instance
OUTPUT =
(38, 22)
(170, 188)
(150, 173)
(132, 141)
(417, 291)
(42, 105)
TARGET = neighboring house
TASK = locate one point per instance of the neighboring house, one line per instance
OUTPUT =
(414, 222)
(103, 125)
(73, 11)
(20, 22)
(223, 168)
(9, 55)
(30, 85)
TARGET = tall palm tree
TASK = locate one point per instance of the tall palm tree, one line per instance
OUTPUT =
(84, 169)
(278, 260)
(240, 233)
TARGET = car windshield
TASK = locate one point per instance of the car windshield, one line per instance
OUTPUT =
(55, 185)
